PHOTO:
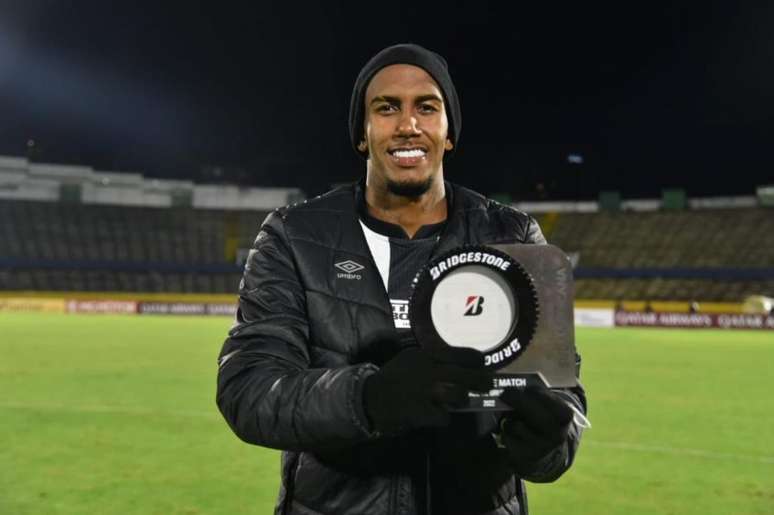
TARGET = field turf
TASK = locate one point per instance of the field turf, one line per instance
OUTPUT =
(109, 415)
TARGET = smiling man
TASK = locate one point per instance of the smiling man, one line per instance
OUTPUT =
(405, 140)
(321, 361)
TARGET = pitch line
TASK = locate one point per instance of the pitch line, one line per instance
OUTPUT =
(683, 451)
(98, 408)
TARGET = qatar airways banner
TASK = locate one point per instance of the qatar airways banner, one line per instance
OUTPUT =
(693, 320)
(186, 308)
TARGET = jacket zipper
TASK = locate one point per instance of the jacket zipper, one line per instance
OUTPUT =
(392, 505)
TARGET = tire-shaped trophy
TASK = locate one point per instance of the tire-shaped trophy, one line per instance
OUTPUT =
(513, 303)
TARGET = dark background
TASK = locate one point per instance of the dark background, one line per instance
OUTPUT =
(651, 95)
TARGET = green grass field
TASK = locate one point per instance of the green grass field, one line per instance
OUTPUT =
(103, 415)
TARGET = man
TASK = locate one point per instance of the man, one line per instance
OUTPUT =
(321, 362)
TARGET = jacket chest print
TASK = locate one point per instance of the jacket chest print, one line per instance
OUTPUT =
(348, 270)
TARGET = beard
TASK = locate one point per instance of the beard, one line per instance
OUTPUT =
(412, 190)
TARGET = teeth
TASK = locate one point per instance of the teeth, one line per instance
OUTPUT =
(409, 153)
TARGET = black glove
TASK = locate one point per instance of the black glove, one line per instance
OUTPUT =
(415, 389)
(540, 422)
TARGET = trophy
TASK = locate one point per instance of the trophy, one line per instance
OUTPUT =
(513, 303)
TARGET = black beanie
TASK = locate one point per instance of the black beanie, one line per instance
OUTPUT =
(408, 53)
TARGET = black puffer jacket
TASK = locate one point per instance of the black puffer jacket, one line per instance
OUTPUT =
(291, 373)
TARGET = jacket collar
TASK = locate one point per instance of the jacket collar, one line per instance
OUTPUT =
(394, 230)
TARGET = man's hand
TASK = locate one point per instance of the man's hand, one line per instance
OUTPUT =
(415, 389)
(540, 422)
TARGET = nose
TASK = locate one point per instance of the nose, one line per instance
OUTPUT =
(408, 125)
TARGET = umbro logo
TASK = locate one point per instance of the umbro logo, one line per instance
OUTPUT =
(349, 268)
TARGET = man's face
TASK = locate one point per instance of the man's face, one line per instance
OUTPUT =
(405, 130)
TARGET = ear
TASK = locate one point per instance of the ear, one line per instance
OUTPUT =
(449, 145)
(362, 146)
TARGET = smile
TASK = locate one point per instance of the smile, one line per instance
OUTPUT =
(408, 153)
(408, 157)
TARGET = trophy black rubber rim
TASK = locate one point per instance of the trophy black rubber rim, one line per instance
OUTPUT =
(516, 277)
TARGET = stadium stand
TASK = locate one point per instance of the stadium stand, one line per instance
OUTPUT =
(59, 247)
(707, 255)
(739, 238)
(704, 255)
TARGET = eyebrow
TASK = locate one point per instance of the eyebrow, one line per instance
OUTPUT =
(395, 100)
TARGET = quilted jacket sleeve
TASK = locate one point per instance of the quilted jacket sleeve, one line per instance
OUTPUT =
(266, 390)
(551, 466)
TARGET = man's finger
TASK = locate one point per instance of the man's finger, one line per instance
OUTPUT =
(540, 408)
(519, 433)
(450, 395)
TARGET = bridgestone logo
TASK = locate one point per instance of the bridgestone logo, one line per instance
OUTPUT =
(468, 257)
(474, 306)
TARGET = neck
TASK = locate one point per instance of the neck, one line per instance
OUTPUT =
(410, 213)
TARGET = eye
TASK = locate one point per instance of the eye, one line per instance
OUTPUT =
(427, 108)
(386, 108)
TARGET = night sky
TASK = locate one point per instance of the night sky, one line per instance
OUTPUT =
(651, 95)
